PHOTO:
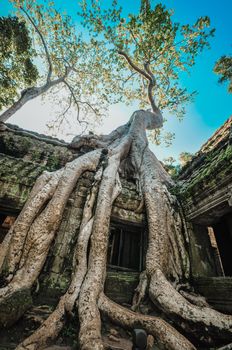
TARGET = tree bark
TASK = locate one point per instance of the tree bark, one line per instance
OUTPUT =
(165, 335)
(90, 324)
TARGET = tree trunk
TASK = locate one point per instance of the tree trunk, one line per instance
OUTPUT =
(25, 248)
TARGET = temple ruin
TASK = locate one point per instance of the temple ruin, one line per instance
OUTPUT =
(204, 189)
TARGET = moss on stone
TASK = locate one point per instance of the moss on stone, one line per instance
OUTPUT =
(120, 286)
(34, 150)
(215, 167)
(14, 306)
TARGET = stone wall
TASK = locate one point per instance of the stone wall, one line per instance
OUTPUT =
(205, 183)
(201, 252)
(23, 157)
(217, 290)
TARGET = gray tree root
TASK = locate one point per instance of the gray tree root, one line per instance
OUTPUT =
(199, 320)
(166, 337)
(52, 326)
(37, 239)
(90, 324)
(11, 247)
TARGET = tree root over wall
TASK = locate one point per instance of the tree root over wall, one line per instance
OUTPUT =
(27, 244)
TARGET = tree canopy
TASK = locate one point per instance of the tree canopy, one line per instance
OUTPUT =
(70, 68)
(149, 50)
(185, 157)
(123, 57)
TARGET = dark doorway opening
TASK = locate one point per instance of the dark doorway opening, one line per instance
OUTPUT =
(126, 247)
(223, 235)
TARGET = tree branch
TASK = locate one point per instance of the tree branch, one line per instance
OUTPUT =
(29, 94)
(78, 106)
(137, 43)
(79, 101)
(165, 48)
(151, 85)
(74, 98)
(66, 109)
(149, 72)
(146, 73)
(133, 65)
(43, 42)
(89, 105)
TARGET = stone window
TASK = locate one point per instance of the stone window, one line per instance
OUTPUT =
(126, 247)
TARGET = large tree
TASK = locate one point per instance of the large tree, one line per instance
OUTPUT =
(150, 47)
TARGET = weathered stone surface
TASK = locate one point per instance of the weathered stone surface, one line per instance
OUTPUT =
(120, 286)
(66, 236)
(127, 215)
(18, 175)
(19, 169)
(33, 147)
(22, 159)
(217, 290)
(201, 252)
(17, 178)
(130, 203)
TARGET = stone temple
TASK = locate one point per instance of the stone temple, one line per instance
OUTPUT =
(203, 187)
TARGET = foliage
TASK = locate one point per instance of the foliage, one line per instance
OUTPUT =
(158, 136)
(223, 67)
(184, 158)
(60, 46)
(174, 168)
(17, 70)
(136, 57)
(148, 46)
(149, 51)
(87, 84)
(171, 167)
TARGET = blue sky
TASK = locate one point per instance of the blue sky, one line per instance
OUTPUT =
(212, 105)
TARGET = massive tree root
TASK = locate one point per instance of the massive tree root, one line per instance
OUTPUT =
(165, 336)
(26, 247)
